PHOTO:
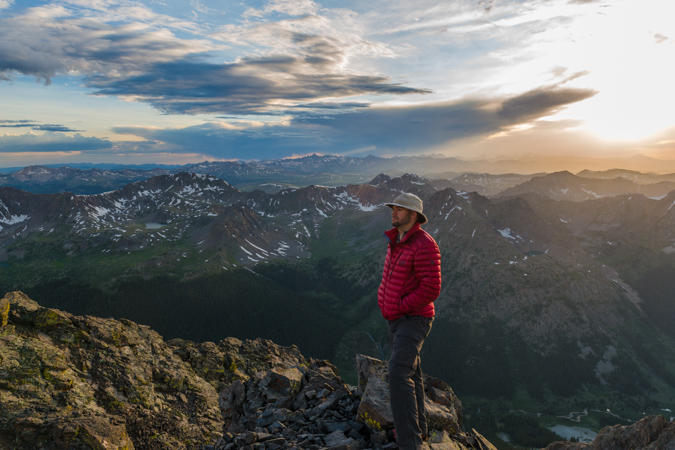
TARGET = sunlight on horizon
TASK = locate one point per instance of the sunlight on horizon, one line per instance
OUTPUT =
(630, 64)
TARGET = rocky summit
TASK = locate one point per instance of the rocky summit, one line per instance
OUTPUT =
(83, 382)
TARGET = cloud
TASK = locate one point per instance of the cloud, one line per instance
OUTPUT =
(298, 60)
(332, 106)
(35, 126)
(422, 128)
(220, 140)
(541, 102)
(583, 2)
(54, 127)
(381, 130)
(48, 41)
(289, 7)
(302, 34)
(658, 38)
(264, 85)
(310, 76)
(16, 123)
(50, 142)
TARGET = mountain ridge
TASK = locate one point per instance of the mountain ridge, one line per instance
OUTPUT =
(486, 177)
(566, 186)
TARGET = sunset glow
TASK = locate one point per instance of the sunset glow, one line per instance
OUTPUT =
(140, 81)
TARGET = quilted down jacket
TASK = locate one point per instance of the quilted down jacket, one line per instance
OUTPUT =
(411, 279)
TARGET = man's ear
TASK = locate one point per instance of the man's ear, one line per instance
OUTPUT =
(417, 216)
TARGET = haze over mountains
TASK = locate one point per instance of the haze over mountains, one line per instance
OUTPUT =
(485, 177)
(556, 287)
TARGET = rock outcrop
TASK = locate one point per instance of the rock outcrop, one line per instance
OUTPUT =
(650, 433)
(90, 383)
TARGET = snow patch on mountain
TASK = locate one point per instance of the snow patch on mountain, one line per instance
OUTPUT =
(12, 220)
(506, 232)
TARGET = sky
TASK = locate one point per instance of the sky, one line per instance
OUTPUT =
(184, 81)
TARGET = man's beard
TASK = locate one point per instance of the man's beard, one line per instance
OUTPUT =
(403, 221)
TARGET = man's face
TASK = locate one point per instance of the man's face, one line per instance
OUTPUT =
(401, 217)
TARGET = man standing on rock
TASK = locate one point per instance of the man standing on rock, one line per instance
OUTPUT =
(411, 281)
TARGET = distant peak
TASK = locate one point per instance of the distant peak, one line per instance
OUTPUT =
(381, 178)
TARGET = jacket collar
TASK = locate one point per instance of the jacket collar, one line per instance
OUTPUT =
(392, 234)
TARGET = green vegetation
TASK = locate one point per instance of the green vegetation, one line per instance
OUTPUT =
(650, 272)
(520, 430)
(290, 303)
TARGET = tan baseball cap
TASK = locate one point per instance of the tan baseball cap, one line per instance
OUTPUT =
(411, 202)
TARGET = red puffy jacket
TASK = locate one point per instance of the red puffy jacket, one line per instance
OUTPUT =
(411, 279)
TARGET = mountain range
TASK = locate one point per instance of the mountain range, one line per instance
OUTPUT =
(566, 186)
(556, 287)
(483, 176)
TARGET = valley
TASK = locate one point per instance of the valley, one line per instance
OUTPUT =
(556, 287)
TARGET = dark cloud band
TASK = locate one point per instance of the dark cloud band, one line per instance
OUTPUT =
(409, 130)
(35, 126)
(51, 142)
(261, 86)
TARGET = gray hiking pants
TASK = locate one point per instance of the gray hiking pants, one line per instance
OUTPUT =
(406, 389)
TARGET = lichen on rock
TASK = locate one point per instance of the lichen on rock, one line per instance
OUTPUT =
(64, 379)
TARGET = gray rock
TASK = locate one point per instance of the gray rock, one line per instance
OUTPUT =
(281, 383)
(444, 410)
(338, 438)
(331, 426)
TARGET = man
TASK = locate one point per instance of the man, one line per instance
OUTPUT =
(411, 281)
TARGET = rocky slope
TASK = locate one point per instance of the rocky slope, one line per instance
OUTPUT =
(566, 186)
(89, 383)
(638, 177)
(47, 180)
(486, 184)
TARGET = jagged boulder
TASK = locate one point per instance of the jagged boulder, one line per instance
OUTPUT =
(89, 383)
(649, 433)
(232, 359)
(444, 409)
